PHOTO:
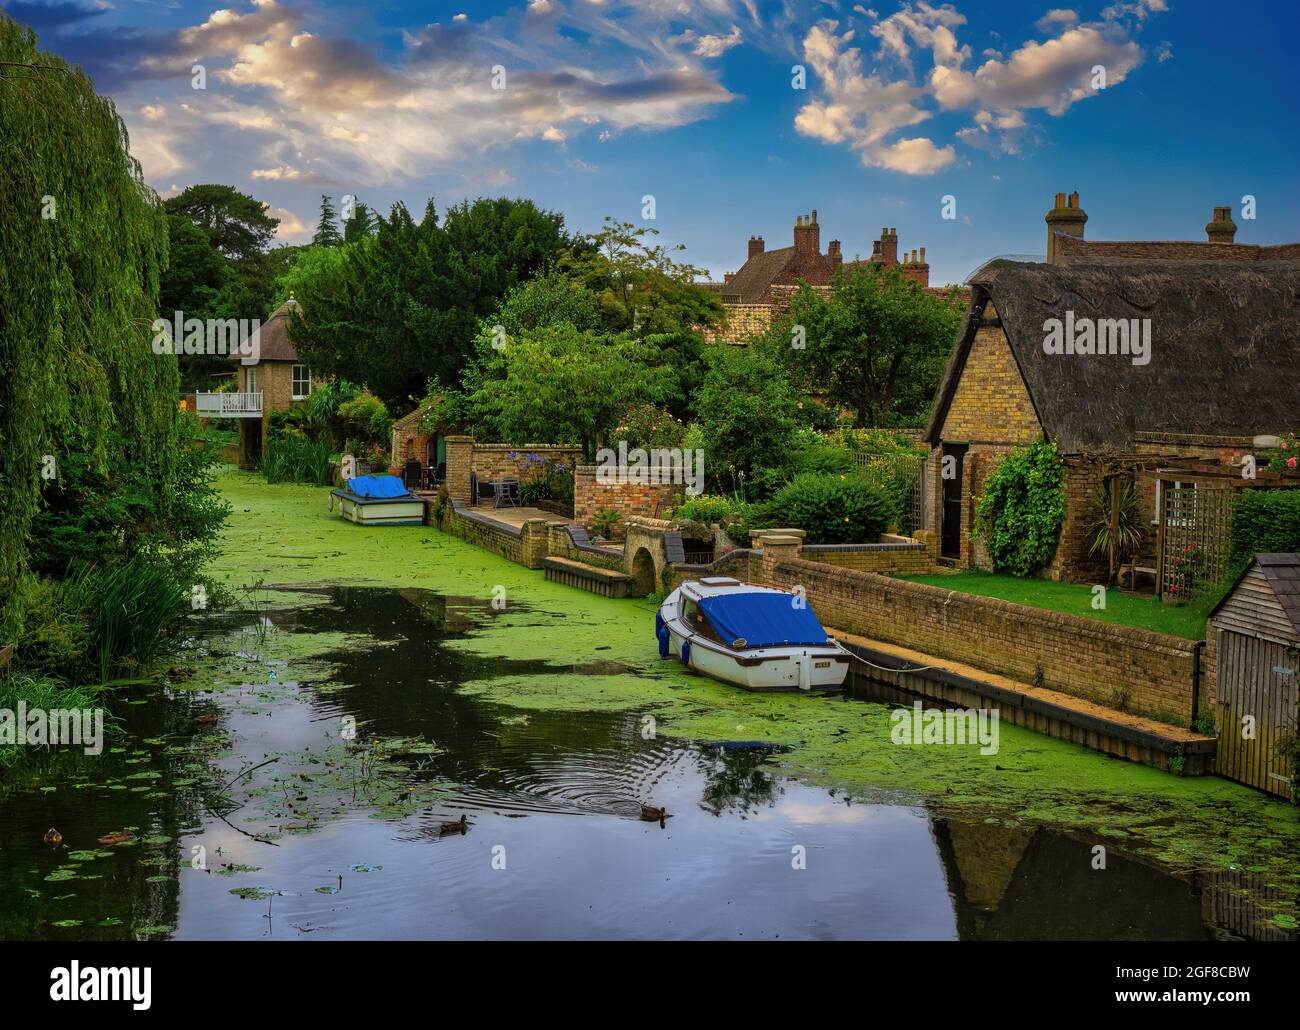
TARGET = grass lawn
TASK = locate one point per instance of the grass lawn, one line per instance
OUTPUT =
(1140, 610)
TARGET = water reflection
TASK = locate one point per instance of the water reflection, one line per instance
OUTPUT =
(554, 847)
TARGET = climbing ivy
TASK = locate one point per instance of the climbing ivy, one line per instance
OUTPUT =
(83, 247)
(1019, 515)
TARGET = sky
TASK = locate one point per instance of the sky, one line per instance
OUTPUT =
(735, 116)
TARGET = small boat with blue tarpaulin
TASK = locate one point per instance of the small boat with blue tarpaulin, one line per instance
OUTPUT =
(378, 501)
(755, 637)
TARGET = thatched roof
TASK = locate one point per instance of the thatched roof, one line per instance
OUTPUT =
(273, 338)
(1225, 348)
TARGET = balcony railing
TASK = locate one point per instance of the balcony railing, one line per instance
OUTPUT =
(229, 405)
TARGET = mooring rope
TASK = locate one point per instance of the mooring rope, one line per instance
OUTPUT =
(883, 668)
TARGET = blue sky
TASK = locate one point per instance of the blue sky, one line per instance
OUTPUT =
(607, 101)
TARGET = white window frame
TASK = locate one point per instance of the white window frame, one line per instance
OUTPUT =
(295, 380)
(250, 379)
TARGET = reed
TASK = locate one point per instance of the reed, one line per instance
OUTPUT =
(295, 459)
(129, 609)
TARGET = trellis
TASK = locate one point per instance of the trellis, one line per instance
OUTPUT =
(1194, 533)
(902, 476)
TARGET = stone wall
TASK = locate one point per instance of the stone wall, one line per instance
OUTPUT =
(526, 545)
(1116, 666)
(623, 495)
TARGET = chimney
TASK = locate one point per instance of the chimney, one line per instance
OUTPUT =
(1065, 217)
(1221, 228)
(807, 234)
(833, 252)
(727, 277)
(888, 244)
(755, 245)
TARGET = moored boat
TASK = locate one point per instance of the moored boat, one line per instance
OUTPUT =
(378, 501)
(755, 637)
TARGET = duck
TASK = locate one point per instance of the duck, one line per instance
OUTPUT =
(120, 837)
(205, 720)
(52, 837)
(459, 826)
(650, 814)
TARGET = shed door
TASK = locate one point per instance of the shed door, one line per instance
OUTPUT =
(1256, 678)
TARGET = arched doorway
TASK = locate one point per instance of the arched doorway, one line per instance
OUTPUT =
(643, 574)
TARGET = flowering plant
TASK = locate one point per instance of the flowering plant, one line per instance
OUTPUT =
(1282, 458)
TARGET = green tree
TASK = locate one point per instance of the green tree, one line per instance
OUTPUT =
(360, 225)
(406, 302)
(558, 384)
(236, 224)
(746, 411)
(876, 344)
(88, 411)
(327, 230)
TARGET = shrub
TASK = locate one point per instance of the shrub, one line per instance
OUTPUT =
(832, 509)
(646, 425)
(705, 508)
(366, 415)
(604, 521)
(295, 459)
(1019, 515)
(1264, 522)
(545, 480)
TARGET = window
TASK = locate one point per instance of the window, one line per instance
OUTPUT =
(301, 382)
(250, 380)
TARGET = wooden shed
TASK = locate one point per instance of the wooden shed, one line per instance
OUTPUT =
(1256, 630)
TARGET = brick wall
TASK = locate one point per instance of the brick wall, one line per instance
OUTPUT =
(628, 498)
(887, 559)
(1117, 666)
(493, 460)
(526, 545)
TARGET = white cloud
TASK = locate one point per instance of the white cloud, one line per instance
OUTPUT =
(291, 229)
(866, 111)
(1058, 16)
(716, 46)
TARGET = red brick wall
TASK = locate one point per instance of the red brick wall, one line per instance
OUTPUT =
(628, 498)
(1117, 666)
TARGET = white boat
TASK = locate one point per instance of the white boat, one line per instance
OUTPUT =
(754, 637)
(378, 501)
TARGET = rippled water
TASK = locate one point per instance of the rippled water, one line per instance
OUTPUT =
(554, 846)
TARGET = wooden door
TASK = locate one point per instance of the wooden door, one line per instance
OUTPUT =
(1256, 677)
(950, 472)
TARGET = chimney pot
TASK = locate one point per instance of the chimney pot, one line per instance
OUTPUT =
(1068, 218)
(1222, 229)
(922, 255)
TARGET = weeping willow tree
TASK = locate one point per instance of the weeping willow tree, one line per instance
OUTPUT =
(83, 396)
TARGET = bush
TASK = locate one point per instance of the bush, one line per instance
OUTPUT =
(366, 415)
(295, 459)
(604, 521)
(705, 508)
(831, 509)
(1265, 522)
(130, 610)
(1019, 515)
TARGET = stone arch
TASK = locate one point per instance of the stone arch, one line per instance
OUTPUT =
(645, 575)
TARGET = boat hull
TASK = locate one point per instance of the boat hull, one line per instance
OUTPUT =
(379, 511)
(807, 668)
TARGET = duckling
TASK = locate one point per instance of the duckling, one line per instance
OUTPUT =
(53, 837)
(459, 826)
(651, 814)
(205, 720)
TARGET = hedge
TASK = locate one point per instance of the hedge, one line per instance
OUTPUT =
(1265, 522)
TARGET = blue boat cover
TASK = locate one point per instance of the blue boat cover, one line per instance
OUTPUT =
(762, 619)
(377, 486)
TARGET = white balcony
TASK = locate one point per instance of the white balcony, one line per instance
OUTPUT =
(229, 405)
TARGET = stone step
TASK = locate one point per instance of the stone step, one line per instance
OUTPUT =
(592, 578)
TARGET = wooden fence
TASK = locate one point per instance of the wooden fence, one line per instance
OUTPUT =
(902, 476)
(1194, 536)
